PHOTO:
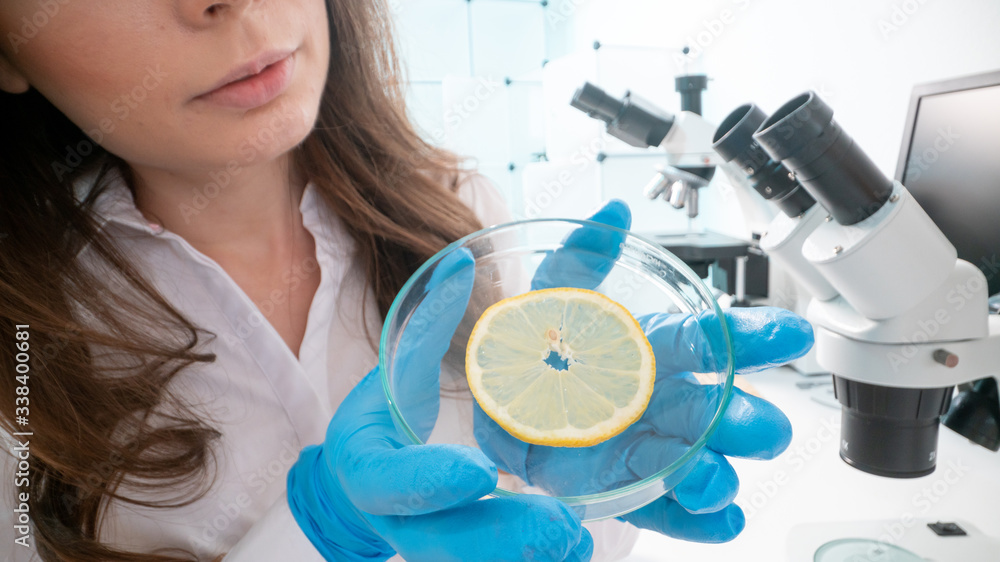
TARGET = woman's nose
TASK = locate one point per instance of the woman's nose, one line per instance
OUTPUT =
(199, 13)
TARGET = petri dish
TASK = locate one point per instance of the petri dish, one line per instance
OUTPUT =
(604, 480)
(863, 550)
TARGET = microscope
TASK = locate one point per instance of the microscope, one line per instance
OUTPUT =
(899, 319)
(690, 162)
(738, 267)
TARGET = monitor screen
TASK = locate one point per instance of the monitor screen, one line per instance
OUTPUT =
(950, 162)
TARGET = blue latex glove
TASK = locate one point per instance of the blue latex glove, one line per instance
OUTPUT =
(699, 507)
(364, 494)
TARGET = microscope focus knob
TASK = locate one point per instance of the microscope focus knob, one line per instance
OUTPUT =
(946, 358)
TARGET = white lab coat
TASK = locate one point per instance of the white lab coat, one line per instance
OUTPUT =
(267, 403)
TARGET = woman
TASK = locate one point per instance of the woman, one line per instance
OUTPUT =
(207, 209)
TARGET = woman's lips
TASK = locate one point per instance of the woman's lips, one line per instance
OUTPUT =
(255, 90)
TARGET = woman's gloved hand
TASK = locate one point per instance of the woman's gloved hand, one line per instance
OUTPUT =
(364, 494)
(699, 507)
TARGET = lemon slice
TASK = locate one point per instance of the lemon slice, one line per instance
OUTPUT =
(560, 367)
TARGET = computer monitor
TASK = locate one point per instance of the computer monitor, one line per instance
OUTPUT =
(950, 162)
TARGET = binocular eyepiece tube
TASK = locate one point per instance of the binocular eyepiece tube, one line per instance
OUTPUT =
(734, 141)
(804, 137)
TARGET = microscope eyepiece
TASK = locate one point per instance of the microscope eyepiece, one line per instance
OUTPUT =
(596, 103)
(734, 141)
(804, 137)
(631, 119)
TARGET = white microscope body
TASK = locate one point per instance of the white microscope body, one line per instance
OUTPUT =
(909, 313)
(899, 320)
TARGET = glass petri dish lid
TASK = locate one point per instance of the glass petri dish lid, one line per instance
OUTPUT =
(603, 480)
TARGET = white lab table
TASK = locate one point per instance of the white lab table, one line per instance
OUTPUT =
(810, 484)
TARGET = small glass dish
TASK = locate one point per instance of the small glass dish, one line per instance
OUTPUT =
(600, 481)
(863, 549)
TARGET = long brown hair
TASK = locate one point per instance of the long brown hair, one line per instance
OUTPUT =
(102, 411)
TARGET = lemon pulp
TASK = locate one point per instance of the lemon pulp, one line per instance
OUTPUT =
(560, 367)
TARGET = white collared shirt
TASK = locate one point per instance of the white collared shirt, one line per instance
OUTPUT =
(267, 403)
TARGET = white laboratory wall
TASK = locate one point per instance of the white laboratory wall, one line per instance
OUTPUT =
(474, 73)
(862, 56)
